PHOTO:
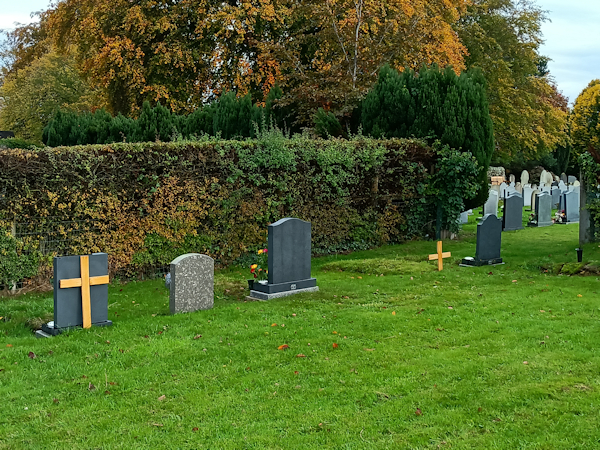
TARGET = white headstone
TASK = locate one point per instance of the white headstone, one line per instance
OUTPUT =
(543, 178)
(524, 178)
(527, 190)
(511, 178)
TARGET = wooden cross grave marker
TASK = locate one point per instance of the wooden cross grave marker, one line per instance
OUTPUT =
(85, 282)
(440, 256)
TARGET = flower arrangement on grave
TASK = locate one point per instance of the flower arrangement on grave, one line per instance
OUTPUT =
(533, 220)
(260, 269)
(560, 216)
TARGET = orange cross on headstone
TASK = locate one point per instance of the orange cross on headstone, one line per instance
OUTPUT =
(84, 283)
(440, 256)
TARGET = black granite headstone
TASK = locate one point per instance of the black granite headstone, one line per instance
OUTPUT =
(289, 257)
(489, 240)
(68, 300)
(512, 219)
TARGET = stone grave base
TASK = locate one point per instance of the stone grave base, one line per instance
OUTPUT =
(256, 295)
(472, 262)
(49, 330)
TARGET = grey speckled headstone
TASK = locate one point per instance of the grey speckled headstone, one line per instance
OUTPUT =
(543, 209)
(489, 240)
(289, 246)
(192, 283)
(564, 178)
(571, 179)
(68, 301)
(512, 219)
(571, 202)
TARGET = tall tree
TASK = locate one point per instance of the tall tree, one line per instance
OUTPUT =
(585, 122)
(31, 94)
(529, 114)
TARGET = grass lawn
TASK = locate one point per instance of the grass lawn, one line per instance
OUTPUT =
(501, 357)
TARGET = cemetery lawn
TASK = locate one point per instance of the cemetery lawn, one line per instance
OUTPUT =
(501, 357)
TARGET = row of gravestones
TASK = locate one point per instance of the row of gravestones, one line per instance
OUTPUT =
(81, 282)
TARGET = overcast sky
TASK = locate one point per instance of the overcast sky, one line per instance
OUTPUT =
(572, 37)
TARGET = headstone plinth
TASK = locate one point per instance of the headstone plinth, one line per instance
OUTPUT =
(289, 246)
(80, 293)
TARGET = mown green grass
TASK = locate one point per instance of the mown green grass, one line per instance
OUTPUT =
(450, 344)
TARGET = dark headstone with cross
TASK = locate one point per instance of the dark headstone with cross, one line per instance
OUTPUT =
(289, 261)
(80, 293)
(489, 240)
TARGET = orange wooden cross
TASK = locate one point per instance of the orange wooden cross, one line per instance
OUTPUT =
(440, 256)
(84, 283)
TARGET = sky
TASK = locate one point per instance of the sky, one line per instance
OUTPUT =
(572, 37)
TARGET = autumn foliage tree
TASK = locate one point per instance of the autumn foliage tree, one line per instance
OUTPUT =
(585, 121)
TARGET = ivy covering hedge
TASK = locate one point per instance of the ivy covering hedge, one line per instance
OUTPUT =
(146, 203)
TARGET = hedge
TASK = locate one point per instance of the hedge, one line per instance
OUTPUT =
(144, 204)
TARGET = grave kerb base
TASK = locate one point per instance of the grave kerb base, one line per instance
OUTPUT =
(256, 295)
(49, 330)
(481, 263)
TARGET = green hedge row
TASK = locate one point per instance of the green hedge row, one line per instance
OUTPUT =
(144, 204)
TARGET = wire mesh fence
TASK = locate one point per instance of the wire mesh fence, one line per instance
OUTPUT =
(53, 237)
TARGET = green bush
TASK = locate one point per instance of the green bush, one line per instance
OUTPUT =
(16, 261)
(434, 104)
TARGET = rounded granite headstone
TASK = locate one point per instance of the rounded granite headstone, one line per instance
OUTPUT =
(524, 178)
(192, 283)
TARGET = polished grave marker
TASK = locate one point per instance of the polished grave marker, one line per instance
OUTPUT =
(439, 256)
(80, 293)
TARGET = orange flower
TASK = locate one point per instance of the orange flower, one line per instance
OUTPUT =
(260, 252)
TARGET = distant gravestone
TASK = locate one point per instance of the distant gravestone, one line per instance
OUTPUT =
(489, 239)
(549, 178)
(576, 183)
(6, 134)
(564, 178)
(562, 186)
(527, 190)
(464, 218)
(511, 178)
(80, 293)
(524, 178)
(534, 194)
(556, 196)
(512, 219)
(192, 283)
(543, 210)
(571, 203)
(491, 206)
(503, 188)
(289, 246)
(571, 179)
(519, 188)
(543, 176)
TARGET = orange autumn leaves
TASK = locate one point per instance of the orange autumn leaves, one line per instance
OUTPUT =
(322, 52)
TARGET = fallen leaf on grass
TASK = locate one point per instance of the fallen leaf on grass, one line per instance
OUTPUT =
(31, 355)
(161, 398)
(107, 392)
(542, 311)
(335, 345)
(335, 332)
(55, 401)
(450, 307)
(273, 324)
(195, 429)
(91, 387)
(198, 336)
(283, 347)
(158, 425)
(393, 313)
(579, 295)
(300, 355)
(514, 281)
(525, 362)
(369, 349)
(418, 412)
(9, 345)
